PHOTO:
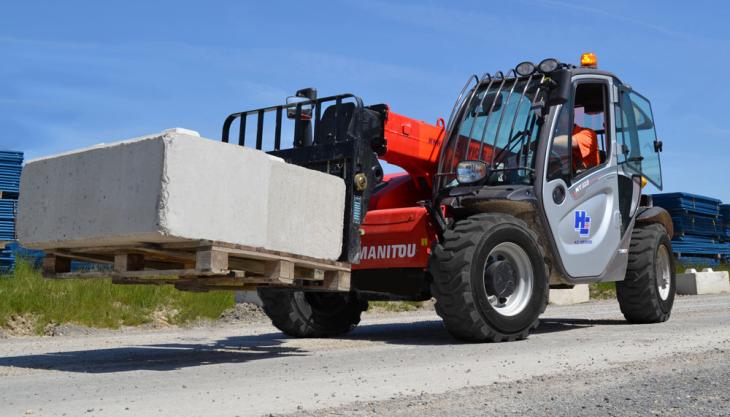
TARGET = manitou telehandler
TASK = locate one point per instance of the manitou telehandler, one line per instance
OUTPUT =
(496, 206)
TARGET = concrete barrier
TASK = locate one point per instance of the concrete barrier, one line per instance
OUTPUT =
(176, 186)
(708, 281)
(575, 295)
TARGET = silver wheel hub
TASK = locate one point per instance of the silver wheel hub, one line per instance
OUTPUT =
(663, 272)
(500, 278)
(508, 279)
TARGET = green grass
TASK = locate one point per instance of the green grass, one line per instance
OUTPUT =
(99, 303)
(395, 306)
(602, 290)
(721, 267)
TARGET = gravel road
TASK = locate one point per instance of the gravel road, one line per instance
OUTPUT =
(583, 360)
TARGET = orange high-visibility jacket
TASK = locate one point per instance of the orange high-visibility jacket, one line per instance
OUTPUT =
(587, 149)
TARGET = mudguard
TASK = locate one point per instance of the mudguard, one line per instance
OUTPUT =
(648, 215)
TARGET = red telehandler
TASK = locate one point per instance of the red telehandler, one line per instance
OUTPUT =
(495, 206)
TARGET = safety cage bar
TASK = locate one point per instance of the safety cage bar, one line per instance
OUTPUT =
(494, 84)
(300, 138)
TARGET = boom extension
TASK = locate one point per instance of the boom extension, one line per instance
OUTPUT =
(413, 145)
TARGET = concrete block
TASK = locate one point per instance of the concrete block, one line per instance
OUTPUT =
(175, 186)
(575, 295)
(705, 282)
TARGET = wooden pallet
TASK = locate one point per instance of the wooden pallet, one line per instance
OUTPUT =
(201, 266)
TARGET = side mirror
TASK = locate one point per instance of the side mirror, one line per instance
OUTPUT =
(306, 112)
(305, 95)
(561, 87)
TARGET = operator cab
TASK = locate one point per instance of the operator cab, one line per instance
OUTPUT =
(539, 184)
(573, 142)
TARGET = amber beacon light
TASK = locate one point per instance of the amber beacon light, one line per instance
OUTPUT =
(589, 60)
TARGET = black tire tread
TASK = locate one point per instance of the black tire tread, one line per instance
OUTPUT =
(637, 293)
(286, 314)
(450, 267)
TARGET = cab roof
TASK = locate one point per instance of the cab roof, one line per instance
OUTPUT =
(591, 71)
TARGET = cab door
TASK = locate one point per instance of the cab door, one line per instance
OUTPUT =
(640, 147)
(580, 194)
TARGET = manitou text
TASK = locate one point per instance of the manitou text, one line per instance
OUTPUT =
(388, 251)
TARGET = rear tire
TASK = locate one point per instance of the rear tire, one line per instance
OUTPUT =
(646, 295)
(489, 279)
(312, 314)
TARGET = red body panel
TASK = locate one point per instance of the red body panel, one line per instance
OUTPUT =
(397, 231)
(396, 238)
(397, 191)
(413, 145)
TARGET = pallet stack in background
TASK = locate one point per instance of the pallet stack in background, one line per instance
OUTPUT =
(11, 164)
(700, 235)
(8, 209)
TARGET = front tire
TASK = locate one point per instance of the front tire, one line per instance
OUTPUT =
(489, 279)
(646, 295)
(312, 314)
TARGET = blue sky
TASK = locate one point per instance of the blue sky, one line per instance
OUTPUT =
(76, 73)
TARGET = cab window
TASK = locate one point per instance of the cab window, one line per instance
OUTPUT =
(637, 136)
(580, 141)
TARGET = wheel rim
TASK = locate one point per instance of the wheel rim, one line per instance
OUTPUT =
(663, 272)
(520, 291)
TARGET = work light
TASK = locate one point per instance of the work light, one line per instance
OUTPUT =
(548, 65)
(469, 172)
(524, 69)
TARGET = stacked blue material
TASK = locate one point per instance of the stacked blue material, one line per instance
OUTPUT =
(725, 215)
(699, 232)
(700, 246)
(14, 251)
(11, 163)
(698, 225)
(680, 203)
(8, 208)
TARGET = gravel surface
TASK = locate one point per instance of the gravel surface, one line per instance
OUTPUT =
(685, 385)
(580, 355)
(244, 313)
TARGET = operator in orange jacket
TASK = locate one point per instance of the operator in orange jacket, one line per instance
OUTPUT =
(585, 148)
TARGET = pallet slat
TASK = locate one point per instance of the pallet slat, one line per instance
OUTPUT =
(202, 265)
